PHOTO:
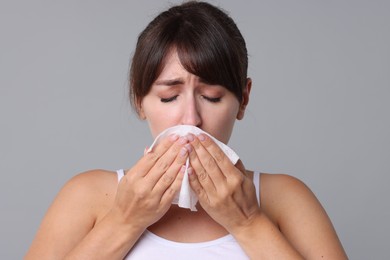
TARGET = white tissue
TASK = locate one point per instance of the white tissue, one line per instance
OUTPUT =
(187, 197)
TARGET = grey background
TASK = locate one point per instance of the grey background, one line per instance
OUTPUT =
(319, 108)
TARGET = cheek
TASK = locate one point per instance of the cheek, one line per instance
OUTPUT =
(220, 123)
(159, 119)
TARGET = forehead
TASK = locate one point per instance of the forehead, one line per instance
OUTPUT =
(171, 65)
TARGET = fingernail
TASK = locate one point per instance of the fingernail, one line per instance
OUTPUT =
(188, 147)
(183, 140)
(173, 137)
(202, 137)
(190, 137)
(183, 152)
(189, 171)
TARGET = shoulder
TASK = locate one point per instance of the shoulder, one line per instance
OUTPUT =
(282, 186)
(294, 208)
(282, 193)
(91, 190)
(81, 202)
(93, 180)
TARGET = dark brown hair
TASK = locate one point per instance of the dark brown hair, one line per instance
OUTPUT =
(208, 43)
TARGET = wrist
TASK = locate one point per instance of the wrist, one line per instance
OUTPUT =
(123, 225)
(250, 227)
(261, 239)
(110, 238)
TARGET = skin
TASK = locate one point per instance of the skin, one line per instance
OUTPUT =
(102, 220)
(187, 102)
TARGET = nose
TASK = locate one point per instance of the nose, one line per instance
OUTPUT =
(191, 115)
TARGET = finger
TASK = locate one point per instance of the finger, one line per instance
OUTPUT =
(150, 158)
(170, 192)
(198, 164)
(167, 178)
(208, 162)
(219, 156)
(197, 187)
(172, 160)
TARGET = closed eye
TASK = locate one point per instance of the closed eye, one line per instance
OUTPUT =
(170, 99)
(212, 99)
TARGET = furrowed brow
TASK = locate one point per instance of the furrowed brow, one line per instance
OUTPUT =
(169, 82)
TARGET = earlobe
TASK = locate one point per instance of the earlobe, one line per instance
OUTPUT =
(140, 111)
(141, 115)
(245, 99)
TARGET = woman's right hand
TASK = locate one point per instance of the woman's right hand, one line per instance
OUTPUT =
(146, 191)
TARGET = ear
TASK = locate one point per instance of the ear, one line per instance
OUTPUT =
(140, 110)
(245, 99)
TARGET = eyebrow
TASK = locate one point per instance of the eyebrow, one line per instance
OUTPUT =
(169, 82)
(176, 81)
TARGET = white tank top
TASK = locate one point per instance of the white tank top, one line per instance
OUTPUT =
(151, 246)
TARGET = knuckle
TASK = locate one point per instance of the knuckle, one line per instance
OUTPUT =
(140, 193)
(162, 165)
(224, 192)
(166, 144)
(202, 175)
(219, 156)
(171, 191)
(167, 179)
(236, 180)
(193, 179)
(176, 148)
(181, 159)
(195, 144)
(154, 156)
(193, 156)
(210, 164)
(198, 190)
(150, 204)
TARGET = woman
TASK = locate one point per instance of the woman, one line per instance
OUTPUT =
(189, 68)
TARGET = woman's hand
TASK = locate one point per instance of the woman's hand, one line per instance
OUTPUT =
(146, 191)
(224, 190)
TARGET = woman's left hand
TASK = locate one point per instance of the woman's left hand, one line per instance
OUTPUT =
(224, 190)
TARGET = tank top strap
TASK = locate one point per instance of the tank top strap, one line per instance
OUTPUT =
(256, 182)
(120, 174)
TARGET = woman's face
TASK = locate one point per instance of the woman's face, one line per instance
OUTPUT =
(178, 97)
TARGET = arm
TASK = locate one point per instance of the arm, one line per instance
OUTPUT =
(74, 227)
(300, 217)
(228, 196)
(72, 215)
(72, 218)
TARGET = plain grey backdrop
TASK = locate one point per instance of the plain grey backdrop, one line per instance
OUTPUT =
(319, 108)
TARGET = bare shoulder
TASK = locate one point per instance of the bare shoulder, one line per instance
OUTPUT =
(283, 195)
(78, 206)
(93, 181)
(92, 177)
(282, 188)
(93, 190)
(294, 208)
